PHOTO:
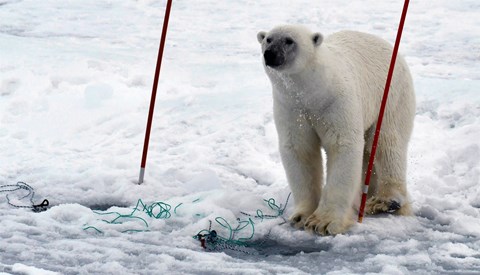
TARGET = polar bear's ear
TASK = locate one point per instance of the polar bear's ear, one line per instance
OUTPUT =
(261, 36)
(317, 39)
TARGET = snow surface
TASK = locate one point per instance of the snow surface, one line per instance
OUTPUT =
(75, 83)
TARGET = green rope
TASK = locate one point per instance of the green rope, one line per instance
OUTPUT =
(240, 226)
(239, 236)
(175, 209)
(273, 206)
(156, 210)
(94, 228)
(212, 241)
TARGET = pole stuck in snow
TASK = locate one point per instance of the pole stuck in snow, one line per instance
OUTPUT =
(154, 90)
(382, 111)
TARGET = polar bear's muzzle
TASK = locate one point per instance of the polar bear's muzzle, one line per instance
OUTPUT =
(274, 57)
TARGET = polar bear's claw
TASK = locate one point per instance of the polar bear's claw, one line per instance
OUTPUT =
(297, 220)
(393, 206)
(325, 226)
(376, 205)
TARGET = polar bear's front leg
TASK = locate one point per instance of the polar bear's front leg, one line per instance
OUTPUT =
(303, 168)
(334, 213)
(299, 147)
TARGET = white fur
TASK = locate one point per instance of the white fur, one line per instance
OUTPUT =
(330, 97)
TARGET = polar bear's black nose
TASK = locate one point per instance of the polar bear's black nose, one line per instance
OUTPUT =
(272, 59)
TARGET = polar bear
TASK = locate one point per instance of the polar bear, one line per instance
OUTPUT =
(327, 94)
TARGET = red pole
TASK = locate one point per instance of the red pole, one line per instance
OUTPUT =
(382, 111)
(154, 90)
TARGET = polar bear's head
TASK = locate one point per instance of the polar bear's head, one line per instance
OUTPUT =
(288, 48)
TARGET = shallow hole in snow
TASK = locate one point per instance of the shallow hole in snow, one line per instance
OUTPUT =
(272, 247)
(269, 247)
(105, 206)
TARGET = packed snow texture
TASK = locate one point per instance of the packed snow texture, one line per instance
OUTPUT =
(75, 84)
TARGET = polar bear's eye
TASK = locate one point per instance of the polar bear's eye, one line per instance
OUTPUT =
(269, 40)
(288, 41)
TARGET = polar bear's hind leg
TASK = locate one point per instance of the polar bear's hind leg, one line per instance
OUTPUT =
(390, 166)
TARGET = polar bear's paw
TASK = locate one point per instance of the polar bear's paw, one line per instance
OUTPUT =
(325, 224)
(376, 205)
(298, 219)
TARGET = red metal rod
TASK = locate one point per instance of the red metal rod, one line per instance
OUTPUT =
(382, 111)
(154, 91)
